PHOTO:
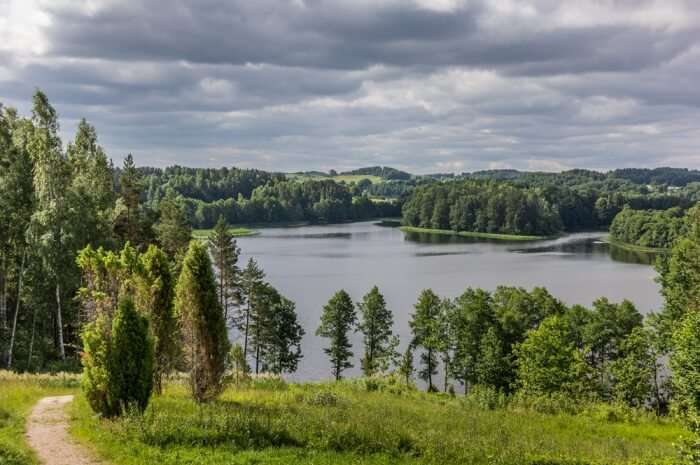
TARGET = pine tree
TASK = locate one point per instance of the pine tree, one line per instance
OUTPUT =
(425, 325)
(204, 327)
(225, 252)
(251, 284)
(284, 343)
(130, 187)
(174, 230)
(376, 323)
(337, 320)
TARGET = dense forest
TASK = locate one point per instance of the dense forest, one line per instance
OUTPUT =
(648, 228)
(580, 199)
(481, 207)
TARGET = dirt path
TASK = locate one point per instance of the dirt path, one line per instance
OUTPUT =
(47, 434)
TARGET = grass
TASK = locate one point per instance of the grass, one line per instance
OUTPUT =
(475, 235)
(236, 232)
(633, 247)
(18, 394)
(349, 423)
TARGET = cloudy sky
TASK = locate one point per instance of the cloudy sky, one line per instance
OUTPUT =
(423, 85)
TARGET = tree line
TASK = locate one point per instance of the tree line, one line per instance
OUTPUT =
(479, 206)
(315, 201)
(534, 204)
(509, 341)
(648, 228)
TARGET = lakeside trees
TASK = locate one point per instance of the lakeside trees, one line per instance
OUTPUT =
(337, 320)
(648, 228)
(480, 206)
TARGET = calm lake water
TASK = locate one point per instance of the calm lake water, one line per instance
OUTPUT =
(308, 264)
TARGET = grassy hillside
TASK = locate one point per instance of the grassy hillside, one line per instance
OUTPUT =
(361, 422)
(18, 394)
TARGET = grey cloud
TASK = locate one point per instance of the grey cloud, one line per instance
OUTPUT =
(320, 84)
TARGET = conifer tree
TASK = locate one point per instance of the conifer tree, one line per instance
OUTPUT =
(154, 297)
(174, 230)
(225, 252)
(203, 324)
(337, 320)
(376, 323)
(425, 324)
(252, 280)
(130, 187)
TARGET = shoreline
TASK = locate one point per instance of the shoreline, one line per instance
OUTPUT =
(475, 235)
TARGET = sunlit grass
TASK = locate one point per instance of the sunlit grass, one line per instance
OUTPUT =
(347, 423)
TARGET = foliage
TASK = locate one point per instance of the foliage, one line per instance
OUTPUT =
(425, 326)
(337, 320)
(154, 296)
(118, 362)
(375, 324)
(203, 324)
(225, 252)
(648, 228)
(130, 371)
(548, 361)
(478, 206)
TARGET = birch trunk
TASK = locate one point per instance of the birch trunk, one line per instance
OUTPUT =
(14, 320)
(59, 322)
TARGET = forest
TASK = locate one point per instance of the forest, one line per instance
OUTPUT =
(536, 203)
(657, 229)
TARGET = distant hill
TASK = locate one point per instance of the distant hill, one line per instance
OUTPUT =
(384, 172)
(662, 175)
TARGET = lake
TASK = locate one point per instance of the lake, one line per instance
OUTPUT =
(308, 264)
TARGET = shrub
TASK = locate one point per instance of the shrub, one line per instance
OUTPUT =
(118, 363)
(132, 359)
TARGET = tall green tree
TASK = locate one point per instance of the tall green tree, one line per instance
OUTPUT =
(548, 360)
(128, 213)
(155, 292)
(203, 324)
(632, 372)
(472, 317)
(173, 229)
(50, 222)
(16, 204)
(92, 185)
(425, 325)
(283, 338)
(225, 253)
(337, 321)
(252, 281)
(376, 323)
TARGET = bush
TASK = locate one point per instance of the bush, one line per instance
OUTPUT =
(132, 359)
(118, 363)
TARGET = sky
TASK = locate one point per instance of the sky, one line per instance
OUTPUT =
(422, 85)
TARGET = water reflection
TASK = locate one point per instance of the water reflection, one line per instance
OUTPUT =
(577, 246)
